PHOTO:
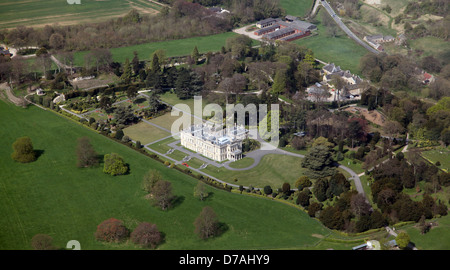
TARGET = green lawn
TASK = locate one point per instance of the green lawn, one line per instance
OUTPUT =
(41, 12)
(162, 146)
(440, 154)
(180, 47)
(145, 133)
(436, 47)
(273, 170)
(297, 8)
(341, 50)
(242, 163)
(438, 238)
(54, 197)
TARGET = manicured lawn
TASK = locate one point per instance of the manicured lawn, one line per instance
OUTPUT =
(145, 133)
(54, 197)
(438, 238)
(166, 121)
(177, 155)
(273, 170)
(194, 162)
(242, 163)
(162, 146)
(440, 154)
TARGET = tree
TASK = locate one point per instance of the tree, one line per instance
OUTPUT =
(314, 208)
(359, 205)
(200, 191)
(124, 116)
(158, 59)
(286, 188)
(150, 180)
(105, 102)
(154, 103)
(279, 84)
(195, 55)
(119, 134)
(320, 189)
(146, 235)
(86, 154)
(42, 242)
(162, 194)
(100, 57)
(239, 45)
(114, 165)
(127, 72)
(303, 198)
(303, 182)
(56, 41)
(135, 63)
(132, 92)
(187, 84)
(319, 162)
(206, 224)
(111, 230)
(268, 190)
(23, 150)
(402, 240)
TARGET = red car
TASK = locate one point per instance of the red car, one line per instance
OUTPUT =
(185, 164)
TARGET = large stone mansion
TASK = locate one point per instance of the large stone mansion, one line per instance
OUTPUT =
(221, 145)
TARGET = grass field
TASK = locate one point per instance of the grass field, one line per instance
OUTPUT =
(273, 170)
(436, 47)
(297, 8)
(441, 154)
(340, 50)
(54, 197)
(145, 133)
(38, 13)
(173, 48)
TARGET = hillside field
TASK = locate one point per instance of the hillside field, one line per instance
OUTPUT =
(52, 196)
(341, 50)
(38, 13)
(179, 47)
(297, 8)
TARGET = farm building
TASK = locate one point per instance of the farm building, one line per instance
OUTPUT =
(266, 22)
(287, 30)
(375, 41)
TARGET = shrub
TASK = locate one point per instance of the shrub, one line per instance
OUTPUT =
(138, 145)
(206, 224)
(162, 194)
(23, 150)
(86, 154)
(146, 235)
(111, 230)
(268, 190)
(42, 242)
(119, 134)
(114, 165)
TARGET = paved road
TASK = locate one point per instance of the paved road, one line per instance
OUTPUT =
(345, 28)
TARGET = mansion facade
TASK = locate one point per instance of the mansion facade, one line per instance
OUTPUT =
(225, 144)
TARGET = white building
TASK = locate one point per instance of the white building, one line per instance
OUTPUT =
(225, 144)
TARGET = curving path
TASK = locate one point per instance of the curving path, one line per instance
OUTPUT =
(257, 155)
